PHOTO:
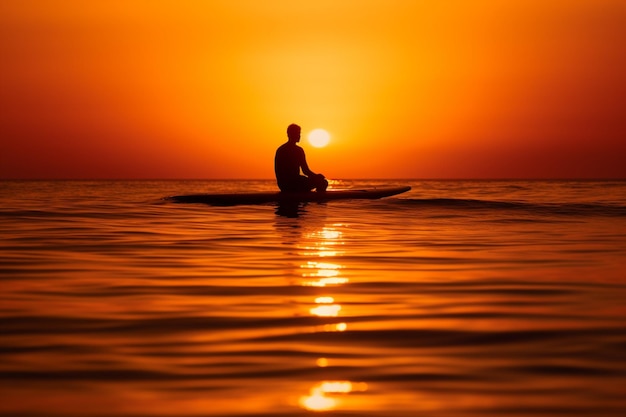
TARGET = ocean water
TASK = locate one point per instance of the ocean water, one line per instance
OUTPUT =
(458, 298)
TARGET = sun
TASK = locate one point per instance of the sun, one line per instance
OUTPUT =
(319, 138)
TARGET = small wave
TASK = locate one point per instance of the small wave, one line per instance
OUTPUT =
(570, 209)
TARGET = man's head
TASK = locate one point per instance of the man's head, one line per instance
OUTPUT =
(293, 132)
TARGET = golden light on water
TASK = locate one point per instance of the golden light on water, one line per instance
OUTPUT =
(328, 274)
(327, 307)
(317, 401)
(331, 310)
(326, 281)
(323, 243)
(321, 269)
(330, 234)
(337, 327)
(324, 396)
(337, 387)
(322, 362)
(319, 251)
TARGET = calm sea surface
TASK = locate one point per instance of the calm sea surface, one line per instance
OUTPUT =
(458, 298)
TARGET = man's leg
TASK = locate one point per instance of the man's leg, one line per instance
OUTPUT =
(319, 183)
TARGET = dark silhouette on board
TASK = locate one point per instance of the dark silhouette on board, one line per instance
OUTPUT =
(288, 162)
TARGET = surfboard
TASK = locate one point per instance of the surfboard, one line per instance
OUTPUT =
(233, 199)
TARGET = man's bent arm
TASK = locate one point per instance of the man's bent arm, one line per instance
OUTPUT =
(306, 170)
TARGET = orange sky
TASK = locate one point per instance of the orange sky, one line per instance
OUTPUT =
(407, 89)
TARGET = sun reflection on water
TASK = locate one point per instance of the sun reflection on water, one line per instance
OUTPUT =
(321, 269)
(325, 395)
(326, 311)
(324, 242)
(328, 274)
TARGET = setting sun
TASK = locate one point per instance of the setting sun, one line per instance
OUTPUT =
(319, 138)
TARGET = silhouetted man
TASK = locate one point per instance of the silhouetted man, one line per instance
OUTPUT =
(289, 160)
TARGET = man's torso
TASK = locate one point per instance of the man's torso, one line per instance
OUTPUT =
(289, 158)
